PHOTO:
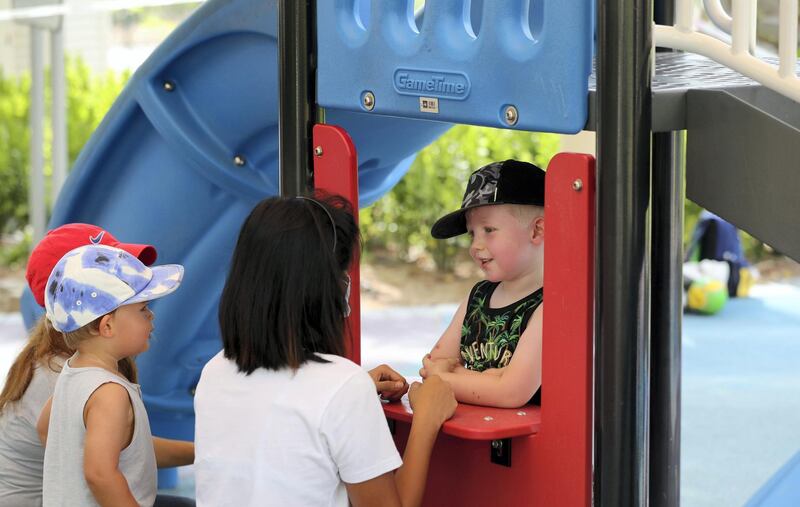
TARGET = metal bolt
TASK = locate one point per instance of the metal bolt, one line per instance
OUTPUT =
(511, 115)
(239, 160)
(368, 101)
(318, 151)
(169, 86)
(577, 185)
(488, 418)
(497, 444)
(521, 413)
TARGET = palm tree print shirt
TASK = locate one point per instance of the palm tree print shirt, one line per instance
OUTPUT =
(489, 336)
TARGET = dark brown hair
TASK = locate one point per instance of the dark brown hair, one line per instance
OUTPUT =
(283, 302)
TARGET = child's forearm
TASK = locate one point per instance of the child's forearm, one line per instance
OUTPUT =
(173, 453)
(110, 489)
(412, 475)
(484, 388)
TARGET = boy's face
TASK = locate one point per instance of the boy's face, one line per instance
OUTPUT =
(503, 246)
(132, 326)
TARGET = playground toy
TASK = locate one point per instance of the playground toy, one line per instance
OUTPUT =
(192, 143)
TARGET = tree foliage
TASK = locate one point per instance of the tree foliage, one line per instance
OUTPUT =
(89, 96)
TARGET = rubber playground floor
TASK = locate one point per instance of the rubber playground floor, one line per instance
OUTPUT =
(740, 386)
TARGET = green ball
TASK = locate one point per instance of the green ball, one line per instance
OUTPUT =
(706, 296)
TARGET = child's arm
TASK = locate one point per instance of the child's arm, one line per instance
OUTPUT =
(449, 343)
(43, 424)
(507, 387)
(108, 416)
(173, 453)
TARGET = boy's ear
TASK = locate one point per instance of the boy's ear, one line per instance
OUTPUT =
(106, 326)
(537, 230)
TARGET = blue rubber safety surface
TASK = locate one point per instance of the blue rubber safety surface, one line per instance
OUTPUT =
(741, 398)
(741, 380)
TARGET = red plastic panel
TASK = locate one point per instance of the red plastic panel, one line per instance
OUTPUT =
(472, 422)
(551, 467)
(336, 171)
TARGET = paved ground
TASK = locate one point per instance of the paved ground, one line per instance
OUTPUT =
(741, 380)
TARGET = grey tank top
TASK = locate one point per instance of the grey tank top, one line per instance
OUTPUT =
(21, 453)
(64, 483)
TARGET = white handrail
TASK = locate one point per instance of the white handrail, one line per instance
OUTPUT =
(739, 54)
(717, 15)
(787, 38)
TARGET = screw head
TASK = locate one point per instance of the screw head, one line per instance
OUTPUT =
(577, 185)
(497, 444)
(368, 101)
(521, 413)
(239, 160)
(488, 418)
(168, 86)
(511, 115)
(318, 151)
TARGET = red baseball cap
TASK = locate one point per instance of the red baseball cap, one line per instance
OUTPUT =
(66, 238)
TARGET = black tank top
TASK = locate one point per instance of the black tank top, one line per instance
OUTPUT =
(489, 336)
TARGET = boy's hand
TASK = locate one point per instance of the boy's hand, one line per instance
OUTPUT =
(432, 400)
(390, 384)
(437, 366)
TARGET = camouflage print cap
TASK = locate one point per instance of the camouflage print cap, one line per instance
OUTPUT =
(508, 182)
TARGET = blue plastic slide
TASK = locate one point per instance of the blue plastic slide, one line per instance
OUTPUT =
(188, 148)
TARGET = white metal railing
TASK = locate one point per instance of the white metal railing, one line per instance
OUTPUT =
(739, 55)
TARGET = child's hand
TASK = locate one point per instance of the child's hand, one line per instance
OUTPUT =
(390, 384)
(432, 400)
(432, 366)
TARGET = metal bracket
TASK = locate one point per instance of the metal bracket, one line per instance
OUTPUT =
(500, 452)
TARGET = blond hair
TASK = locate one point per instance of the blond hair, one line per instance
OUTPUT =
(44, 345)
(126, 365)
(525, 213)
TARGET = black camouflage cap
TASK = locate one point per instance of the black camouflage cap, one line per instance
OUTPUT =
(508, 182)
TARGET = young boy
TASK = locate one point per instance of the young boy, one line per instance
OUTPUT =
(491, 352)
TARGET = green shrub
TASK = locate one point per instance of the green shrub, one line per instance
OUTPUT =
(89, 96)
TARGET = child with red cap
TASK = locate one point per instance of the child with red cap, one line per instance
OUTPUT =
(32, 377)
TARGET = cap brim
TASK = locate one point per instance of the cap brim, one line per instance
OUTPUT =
(455, 223)
(166, 279)
(451, 225)
(145, 253)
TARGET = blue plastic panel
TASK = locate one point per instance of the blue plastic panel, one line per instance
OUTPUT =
(462, 61)
(160, 169)
(782, 489)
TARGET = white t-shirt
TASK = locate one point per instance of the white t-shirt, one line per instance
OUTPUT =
(283, 438)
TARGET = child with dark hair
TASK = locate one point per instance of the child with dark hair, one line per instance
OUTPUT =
(282, 418)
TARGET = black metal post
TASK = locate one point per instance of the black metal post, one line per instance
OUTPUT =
(666, 309)
(622, 299)
(296, 93)
(667, 280)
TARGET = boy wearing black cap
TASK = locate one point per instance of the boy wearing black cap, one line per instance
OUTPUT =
(491, 352)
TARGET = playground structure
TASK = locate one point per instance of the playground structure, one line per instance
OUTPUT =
(193, 142)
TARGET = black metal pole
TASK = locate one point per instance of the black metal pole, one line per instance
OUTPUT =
(296, 94)
(666, 309)
(667, 280)
(622, 299)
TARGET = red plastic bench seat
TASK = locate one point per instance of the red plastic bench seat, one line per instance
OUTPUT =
(473, 422)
